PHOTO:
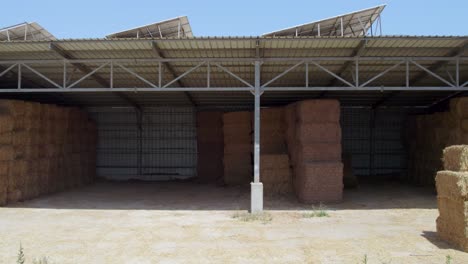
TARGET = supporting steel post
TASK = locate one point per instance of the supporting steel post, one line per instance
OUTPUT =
(256, 204)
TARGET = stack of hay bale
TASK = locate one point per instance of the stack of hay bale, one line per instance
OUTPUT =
(6, 153)
(210, 144)
(427, 135)
(44, 149)
(452, 197)
(314, 143)
(237, 131)
(275, 171)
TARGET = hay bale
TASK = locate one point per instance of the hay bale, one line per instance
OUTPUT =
(7, 153)
(12, 107)
(459, 107)
(455, 158)
(274, 161)
(452, 184)
(6, 138)
(318, 133)
(6, 123)
(319, 182)
(316, 152)
(232, 118)
(453, 234)
(241, 149)
(318, 111)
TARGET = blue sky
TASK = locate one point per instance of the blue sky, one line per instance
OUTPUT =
(96, 18)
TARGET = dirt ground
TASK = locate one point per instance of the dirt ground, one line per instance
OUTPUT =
(193, 223)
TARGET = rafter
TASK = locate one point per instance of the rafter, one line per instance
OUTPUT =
(86, 70)
(171, 70)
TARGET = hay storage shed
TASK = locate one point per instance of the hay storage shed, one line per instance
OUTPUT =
(145, 94)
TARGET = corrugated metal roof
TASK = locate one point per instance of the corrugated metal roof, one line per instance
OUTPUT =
(290, 49)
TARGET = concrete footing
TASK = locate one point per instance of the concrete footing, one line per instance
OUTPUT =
(256, 197)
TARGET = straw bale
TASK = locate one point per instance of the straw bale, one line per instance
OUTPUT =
(459, 107)
(6, 123)
(318, 111)
(453, 185)
(12, 107)
(454, 210)
(4, 169)
(7, 153)
(272, 115)
(277, 188)
(316, 152)
(3, 195)
(319, 174)
(6, 138)
(276, 175)
(274, 161)
(455, 158)
(454, 235)
(22, 138)
(318, 132)
(244, 149)
(237, 118)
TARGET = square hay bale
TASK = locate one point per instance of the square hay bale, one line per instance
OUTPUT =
(276, 175)
(239, 149)
(277, 188)
(318, 133)
(7, 153)
(452, 185)
(455, 158)
(3, 195)
(456, 211)
(316, 152)
(455, 235)
(6, 138)
(271, 116)
(232, 118)
(459, 107)
(6, 123)
(318, 111)
(12, 107)
(4, 170)
(319, 174)
(240, 138)
(22, 138)
(273, 146)
(274, 161)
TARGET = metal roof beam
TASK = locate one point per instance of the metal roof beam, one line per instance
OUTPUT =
(356, 53)
(454, 54)
(86, 70)
(171, 70)
(457, 52)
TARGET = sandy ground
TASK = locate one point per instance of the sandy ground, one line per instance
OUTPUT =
(191, 223)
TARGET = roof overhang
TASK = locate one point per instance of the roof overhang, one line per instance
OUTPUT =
(434, 65)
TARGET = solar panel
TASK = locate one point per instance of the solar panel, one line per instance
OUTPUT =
(176, 27)
(352, 24)
(25, 31)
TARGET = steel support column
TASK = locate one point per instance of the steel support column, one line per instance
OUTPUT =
(256, 204)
